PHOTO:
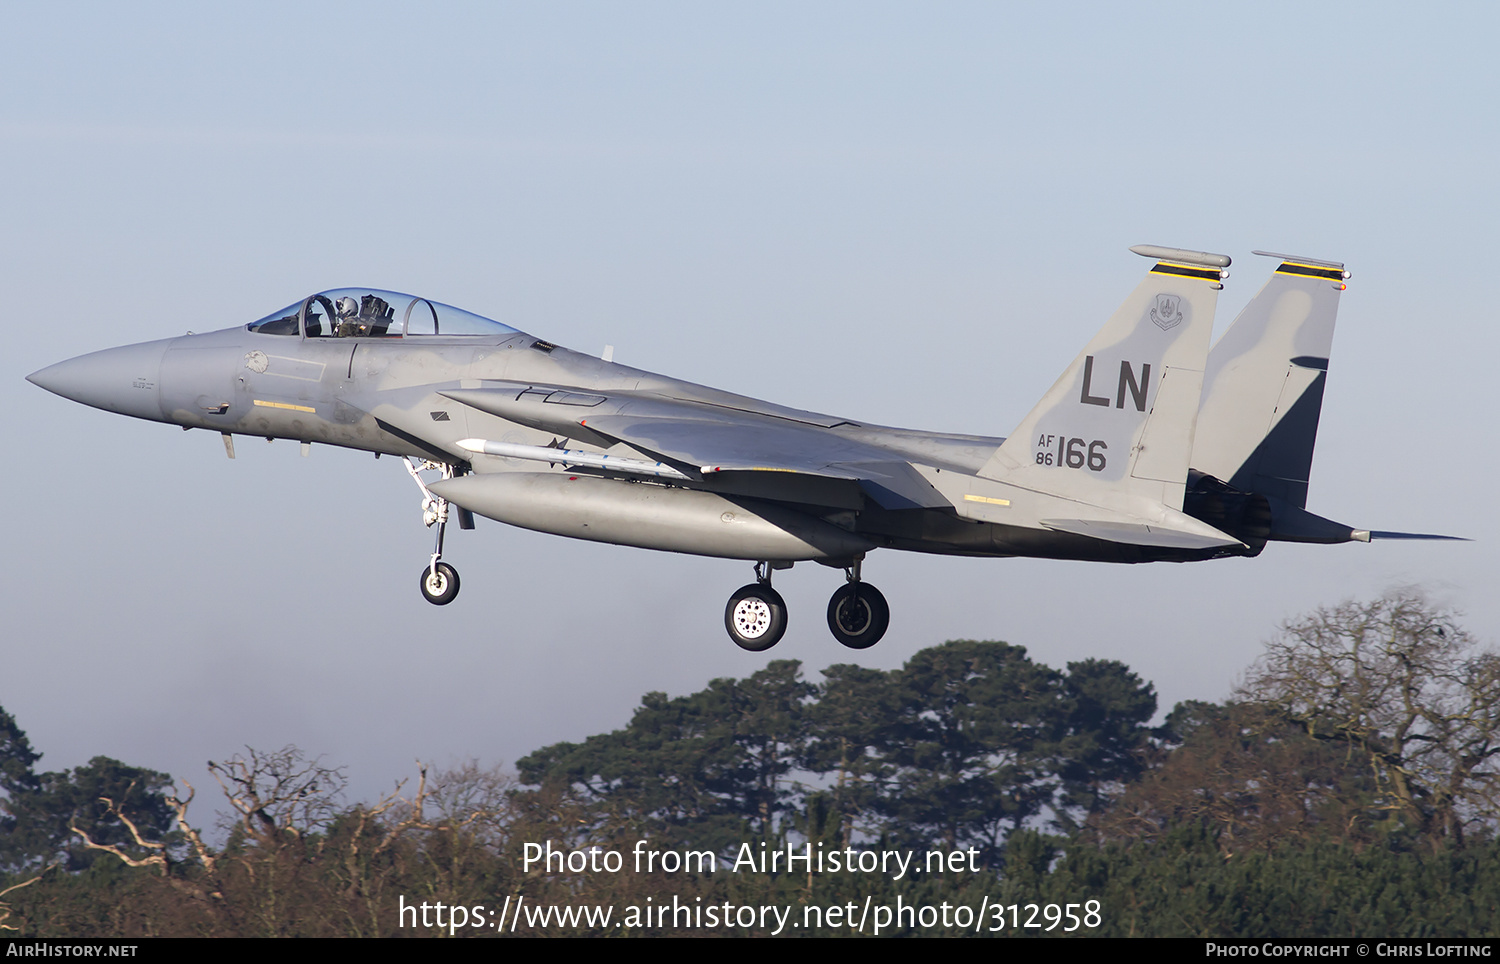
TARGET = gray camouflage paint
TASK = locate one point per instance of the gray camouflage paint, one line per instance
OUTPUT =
(1110, 464)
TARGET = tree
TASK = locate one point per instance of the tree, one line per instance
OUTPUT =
(41, 819)
(281, 793)
(985, 741)
(966, 743)
(849, 725)
(39, 811)
(974, 745)
(1103, 750)
(1248, 777)
(1400, 685)
(18, 782)
(710, 763)
(16, 757)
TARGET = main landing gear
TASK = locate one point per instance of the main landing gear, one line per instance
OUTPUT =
(439, 582)
(858, 614)
(756, 614)
(755, 617)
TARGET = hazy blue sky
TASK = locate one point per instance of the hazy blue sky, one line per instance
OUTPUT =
(907, 214)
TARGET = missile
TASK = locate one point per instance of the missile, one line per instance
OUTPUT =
(572, 457)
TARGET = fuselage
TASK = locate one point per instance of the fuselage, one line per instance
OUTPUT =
(1107, 466)
(390, 387)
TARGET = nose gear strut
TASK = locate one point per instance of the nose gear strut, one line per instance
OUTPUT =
(439, 582)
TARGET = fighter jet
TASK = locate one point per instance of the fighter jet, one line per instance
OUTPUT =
(1147, 448)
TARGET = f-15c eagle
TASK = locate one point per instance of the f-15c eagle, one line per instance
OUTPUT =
(1149, 446)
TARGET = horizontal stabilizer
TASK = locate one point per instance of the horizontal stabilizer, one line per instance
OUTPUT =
(1294, 524)
(1381, 534)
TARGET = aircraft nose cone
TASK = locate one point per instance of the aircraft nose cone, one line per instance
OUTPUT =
(123, 380)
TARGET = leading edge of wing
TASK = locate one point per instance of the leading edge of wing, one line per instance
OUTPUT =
(710, 440)
(750, 444)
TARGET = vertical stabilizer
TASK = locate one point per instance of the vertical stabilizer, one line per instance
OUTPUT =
(1117, 428)
(1263, 388)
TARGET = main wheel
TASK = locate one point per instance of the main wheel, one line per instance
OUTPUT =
(858, 615)
(755, 617)
(440, 586)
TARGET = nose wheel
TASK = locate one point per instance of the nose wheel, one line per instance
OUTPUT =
(439, 584)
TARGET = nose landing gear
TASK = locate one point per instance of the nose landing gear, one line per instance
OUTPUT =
(439, 582)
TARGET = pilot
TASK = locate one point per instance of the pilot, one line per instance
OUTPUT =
(349, 325)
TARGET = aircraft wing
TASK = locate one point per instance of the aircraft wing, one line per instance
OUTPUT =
(705, 440)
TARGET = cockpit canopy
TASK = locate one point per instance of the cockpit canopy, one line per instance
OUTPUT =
(373, 313)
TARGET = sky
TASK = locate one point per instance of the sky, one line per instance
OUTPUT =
(904, 214)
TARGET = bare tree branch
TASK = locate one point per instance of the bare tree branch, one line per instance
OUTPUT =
(157, 849)
(281, 792)
(5, 908)
(1400, 683)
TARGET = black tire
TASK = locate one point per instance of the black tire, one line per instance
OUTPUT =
(858, 615)
(440, 587)
(755, 617)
